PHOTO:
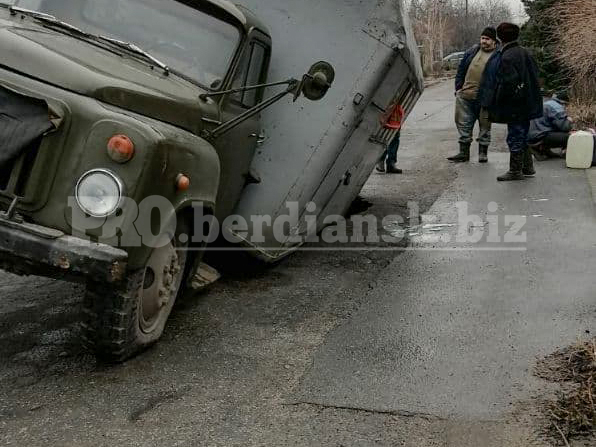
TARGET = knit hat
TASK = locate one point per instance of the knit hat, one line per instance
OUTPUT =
(490, 32)
(507, 32)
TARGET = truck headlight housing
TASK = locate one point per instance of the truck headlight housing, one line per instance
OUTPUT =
(99, 192)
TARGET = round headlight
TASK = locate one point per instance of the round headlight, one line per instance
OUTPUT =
(98, 193)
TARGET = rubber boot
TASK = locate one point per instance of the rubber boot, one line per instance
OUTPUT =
(528, 163)
(393, 169)
(464, 154)
(482, 154)
(538, 150)
(516, 160)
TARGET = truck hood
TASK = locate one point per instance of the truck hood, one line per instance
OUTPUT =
(84, 68)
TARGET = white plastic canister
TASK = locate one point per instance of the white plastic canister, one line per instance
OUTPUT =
(580, 150)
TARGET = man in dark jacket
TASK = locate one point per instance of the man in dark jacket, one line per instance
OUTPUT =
(514, 99)
(467, 106)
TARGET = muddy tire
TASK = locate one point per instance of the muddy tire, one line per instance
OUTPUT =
(122, 321)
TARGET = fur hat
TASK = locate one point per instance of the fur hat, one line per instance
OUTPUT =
(507, 32)
(490, 32)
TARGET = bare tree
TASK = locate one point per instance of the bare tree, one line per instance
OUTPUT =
(481, 15)
(443, 26)
(431, 18)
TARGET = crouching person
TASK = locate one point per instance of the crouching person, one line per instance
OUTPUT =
(515, 99)
(552, 130)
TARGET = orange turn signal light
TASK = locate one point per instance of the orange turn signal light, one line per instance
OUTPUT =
(182, 182)
(121, 148)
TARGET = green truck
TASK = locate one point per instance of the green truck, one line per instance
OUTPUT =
(131, 130)
(117, 120)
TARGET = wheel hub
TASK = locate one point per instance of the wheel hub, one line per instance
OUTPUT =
(159, 285)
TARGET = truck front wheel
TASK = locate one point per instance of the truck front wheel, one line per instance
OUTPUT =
(122, 321)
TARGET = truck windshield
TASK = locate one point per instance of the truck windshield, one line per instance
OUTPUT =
(189, 41)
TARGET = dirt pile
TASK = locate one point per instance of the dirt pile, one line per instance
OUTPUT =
(572, 414)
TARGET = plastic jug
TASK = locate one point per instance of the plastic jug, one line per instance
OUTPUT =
(580, 150)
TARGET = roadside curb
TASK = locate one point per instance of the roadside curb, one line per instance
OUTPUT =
(429, 82)
(591, 175)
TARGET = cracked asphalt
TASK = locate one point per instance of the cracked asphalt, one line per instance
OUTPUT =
(328, 348)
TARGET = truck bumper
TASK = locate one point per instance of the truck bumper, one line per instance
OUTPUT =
(27, 249)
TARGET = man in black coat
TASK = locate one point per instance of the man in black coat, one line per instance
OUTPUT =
(515, 99)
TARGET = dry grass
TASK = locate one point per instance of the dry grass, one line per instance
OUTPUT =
(583, 113)
(583, 105)
(573, 413)
(575, 32)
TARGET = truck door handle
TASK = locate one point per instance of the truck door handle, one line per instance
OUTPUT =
(260, 137)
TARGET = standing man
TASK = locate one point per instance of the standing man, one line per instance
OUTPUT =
(514, 99)
(467, 104)
(390, 156)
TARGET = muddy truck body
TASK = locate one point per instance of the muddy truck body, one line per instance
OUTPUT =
(128, 127)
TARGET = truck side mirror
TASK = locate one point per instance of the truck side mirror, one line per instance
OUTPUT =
(314, 86)
(317, 81)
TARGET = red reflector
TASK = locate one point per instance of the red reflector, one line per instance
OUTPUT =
(120, 148)
(182, 182)
(392, 119)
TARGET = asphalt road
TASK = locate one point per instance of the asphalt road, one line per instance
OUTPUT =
(425, 347)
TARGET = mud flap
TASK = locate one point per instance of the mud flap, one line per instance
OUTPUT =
(22, 121)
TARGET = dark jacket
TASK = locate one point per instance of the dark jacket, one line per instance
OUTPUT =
(554, 119)
(462, 70)
(488, 84)
(516, 96)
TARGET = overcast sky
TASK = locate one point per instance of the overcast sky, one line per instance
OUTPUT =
(517, 9)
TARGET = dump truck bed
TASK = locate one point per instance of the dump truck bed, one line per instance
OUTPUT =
(323, 152)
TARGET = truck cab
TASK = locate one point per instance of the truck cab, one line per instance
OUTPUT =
(108, 144)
